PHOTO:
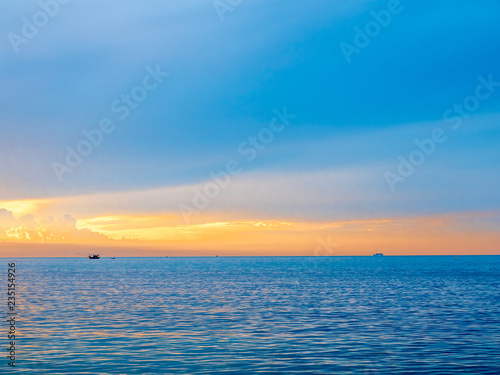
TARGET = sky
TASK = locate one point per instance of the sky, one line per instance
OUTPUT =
(277, 127)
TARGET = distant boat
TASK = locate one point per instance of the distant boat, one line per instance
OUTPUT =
(378, 255)
(94, 256)
(113, 258)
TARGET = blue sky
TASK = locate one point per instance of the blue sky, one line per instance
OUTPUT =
(225, 80)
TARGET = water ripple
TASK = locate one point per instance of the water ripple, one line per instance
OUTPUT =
(390, 315)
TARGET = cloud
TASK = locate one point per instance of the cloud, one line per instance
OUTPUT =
(7, 220)
(27, 228)
(225, 80)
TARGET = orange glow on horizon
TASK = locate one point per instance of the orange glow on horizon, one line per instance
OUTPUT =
(145, 235)
(241, 233)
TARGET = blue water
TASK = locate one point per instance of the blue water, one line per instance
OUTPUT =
(312, 315)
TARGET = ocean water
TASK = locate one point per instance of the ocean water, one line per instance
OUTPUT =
(265, 315)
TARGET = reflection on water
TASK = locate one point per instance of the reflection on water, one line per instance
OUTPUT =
(258, 315)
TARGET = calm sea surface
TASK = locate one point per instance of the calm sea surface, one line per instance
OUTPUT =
(318, 315)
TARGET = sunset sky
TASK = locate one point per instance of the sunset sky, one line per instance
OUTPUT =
(268, 127)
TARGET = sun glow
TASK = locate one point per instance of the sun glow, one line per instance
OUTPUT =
(25, 207)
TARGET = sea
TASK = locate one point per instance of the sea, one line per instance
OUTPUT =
(255, 315)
